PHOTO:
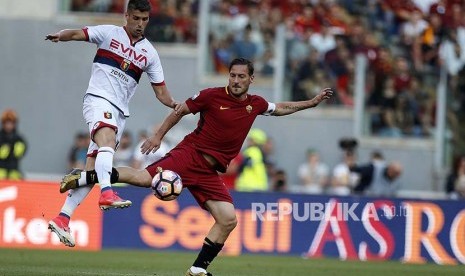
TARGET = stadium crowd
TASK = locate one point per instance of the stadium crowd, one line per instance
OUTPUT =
(405, 41)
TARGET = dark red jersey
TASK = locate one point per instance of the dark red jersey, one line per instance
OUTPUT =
(224, 122)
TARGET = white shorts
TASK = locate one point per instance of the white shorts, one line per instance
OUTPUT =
(99, 113)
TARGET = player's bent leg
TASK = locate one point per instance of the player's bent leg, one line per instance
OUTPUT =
(71, 180)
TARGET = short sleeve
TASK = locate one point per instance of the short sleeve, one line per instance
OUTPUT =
(155, 70)
(97, 34)
(199, 101)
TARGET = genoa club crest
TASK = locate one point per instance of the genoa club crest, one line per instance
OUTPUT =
(248, 108)
(125, 65)
(107, 115)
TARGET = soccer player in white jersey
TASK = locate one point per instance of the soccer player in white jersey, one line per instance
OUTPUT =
(122, 56)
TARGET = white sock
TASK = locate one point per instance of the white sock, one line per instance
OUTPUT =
(103, 166)
(74, 198)
(83, 180)
(196, 270)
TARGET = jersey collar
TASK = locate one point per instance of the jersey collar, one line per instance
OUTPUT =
(130, 39)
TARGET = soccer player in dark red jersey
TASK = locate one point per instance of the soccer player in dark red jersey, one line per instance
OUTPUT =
(226, 116)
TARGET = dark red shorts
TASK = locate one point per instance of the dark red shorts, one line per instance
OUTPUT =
(197, 175)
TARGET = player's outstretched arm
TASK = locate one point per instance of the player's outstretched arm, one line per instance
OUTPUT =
(286, 108)
(153, 142)
(164, 96)
(67, 35)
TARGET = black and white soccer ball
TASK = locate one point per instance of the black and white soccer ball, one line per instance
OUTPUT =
(167, 185)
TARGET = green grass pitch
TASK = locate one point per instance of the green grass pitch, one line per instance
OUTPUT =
(156, 263)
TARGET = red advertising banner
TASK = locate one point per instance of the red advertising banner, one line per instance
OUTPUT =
(26, 207)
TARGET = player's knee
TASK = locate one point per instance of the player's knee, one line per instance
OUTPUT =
(228, 223)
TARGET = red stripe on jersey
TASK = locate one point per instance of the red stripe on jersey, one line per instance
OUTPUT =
(159, 83)
(86, 33)
(119, 59)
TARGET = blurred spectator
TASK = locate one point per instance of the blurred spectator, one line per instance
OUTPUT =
(378, 178)
(343, 180)
(322, 41)
(376, 156)
(455, 183)
(185, 24)
(268, 149)
(429, 43)
(279, 181)
(252, 172)
(268, 64)
(79, 5)
(161, 25)
(78, 153)
(306, 72)
(313, 174)
(413, 28)
(12, 147)
(123, 153)
(244, 47)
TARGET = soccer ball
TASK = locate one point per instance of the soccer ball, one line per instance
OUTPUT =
(167, 185)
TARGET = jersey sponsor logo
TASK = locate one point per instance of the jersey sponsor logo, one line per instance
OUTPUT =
(128, 52)
(107, 115)
(224, 107)
(120, 75)
(125, 65)
(248, 108)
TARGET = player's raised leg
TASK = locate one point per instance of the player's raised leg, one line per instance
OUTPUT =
(225, 221)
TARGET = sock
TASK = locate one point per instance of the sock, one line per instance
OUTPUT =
(90, 177)
(64, 217)
(209, 251)
(103, 167)
(73, 200)
(83, 180)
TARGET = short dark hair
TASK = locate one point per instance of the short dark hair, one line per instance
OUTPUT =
(242, 61)
(139, 5)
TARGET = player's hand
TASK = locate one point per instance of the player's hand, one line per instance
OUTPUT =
(53, 37)
(324, 94)
(176, 107)
(152, 144)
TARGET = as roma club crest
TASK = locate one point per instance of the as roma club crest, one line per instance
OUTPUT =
(248, 108)
(107, 115)
(125, 65)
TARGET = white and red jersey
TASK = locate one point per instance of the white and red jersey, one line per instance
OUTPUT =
(118, 65)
